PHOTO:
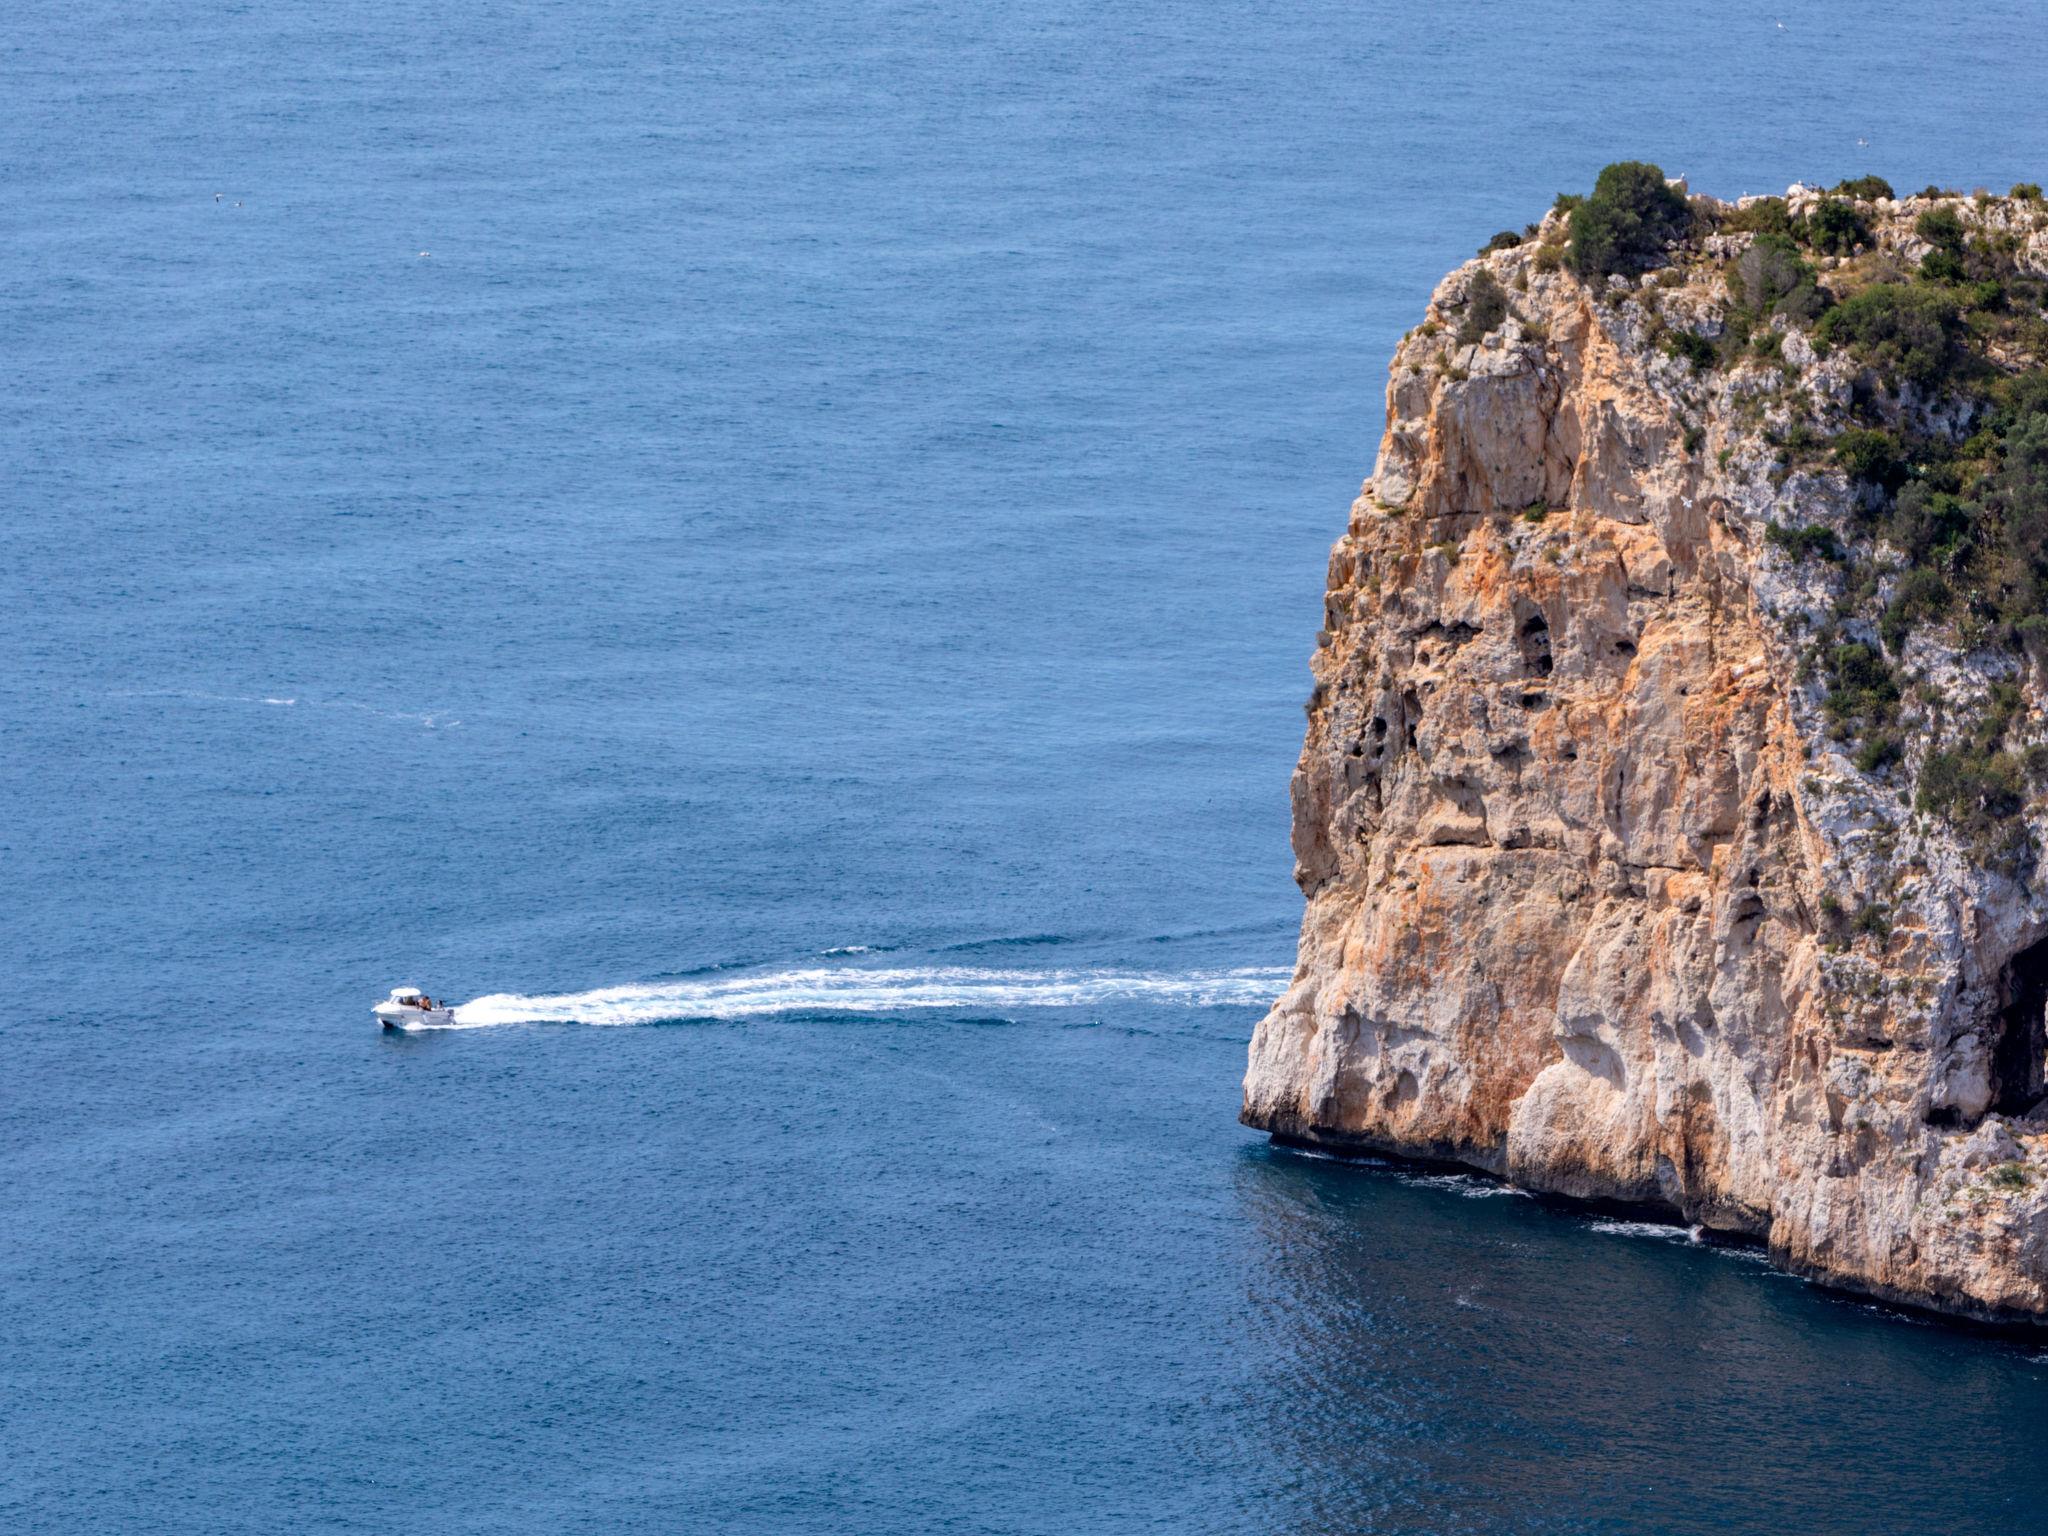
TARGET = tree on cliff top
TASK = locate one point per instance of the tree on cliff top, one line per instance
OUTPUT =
(1624, 225)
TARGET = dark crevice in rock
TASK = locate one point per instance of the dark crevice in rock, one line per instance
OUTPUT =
(2020, 1052)
(1532, 634)
(1458, 634)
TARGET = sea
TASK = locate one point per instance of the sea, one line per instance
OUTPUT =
(770, 553)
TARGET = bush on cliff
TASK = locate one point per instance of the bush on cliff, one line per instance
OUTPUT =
(1867, 187)
(1811, 539)
(1902, 330)
(1939, 266)
(1940, 228)
(1836, 228)
(1486, 305)
(1863, 696)
(1625, 225)
(1765, 216)
(1930, 525)
(1691, 346)
(1976, 791)
(2013, 500)
(1874, 458)
(1771, 277)
(1977, 525)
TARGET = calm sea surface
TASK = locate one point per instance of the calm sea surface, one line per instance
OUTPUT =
(786, 541)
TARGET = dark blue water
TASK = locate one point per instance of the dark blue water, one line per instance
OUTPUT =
(642, 504)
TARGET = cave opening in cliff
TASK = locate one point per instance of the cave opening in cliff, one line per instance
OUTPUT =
(1533, 636)
(2019, 1055)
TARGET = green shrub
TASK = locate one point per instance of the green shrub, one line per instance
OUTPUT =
(1486, 306)
(1813, 540)
(2026, 191)
(2013, 498)
(1930, 526)
(1506, 240)
(1875, 919)
(1974, 790)
(1872, 458)
(1863, 696)
(1772, 278)
(1880, 751)
(1856, 667)
(2009, 1176)
(1836, 228)
(1691, 346)
(1548, 258)
(1765, 216)
(1943, 266)
(1904, 331)
(1940, 228)
(1987, 295)
(1865, 187)
(1805, 304)
(1624, 226)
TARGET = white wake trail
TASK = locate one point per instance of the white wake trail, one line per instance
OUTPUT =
(853, 990)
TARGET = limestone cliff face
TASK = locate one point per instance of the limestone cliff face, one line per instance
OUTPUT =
(1583, 860)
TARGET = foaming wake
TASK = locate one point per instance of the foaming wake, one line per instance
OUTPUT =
(855, 990)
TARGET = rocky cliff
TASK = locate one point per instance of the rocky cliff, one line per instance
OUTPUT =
(1674, 771)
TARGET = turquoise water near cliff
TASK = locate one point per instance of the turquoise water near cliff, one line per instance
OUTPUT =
(793, 537)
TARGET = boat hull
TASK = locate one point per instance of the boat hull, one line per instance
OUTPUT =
(396, 1016)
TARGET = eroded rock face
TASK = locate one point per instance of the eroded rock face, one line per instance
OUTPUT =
(1584, 867)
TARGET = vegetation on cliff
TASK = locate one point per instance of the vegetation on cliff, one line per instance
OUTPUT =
(1939, 305)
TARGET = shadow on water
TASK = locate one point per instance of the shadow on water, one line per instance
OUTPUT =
(1522, 1368)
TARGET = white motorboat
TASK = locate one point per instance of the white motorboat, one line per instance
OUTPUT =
(410, 1008)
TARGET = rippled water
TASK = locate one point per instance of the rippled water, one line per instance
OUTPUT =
(804, 527)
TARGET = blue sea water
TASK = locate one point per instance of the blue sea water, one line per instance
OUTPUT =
(785, 540)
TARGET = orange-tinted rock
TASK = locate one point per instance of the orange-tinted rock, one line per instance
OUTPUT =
(1580, 853)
